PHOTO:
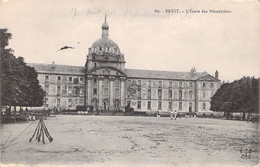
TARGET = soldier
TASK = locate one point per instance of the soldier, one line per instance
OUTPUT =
(175, 114)
(171, 114)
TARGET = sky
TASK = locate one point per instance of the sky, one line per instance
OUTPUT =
(227, 42)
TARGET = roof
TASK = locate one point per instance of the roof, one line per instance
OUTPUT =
(105, 42)
(58, 69)
(152, 74)
(131, 73)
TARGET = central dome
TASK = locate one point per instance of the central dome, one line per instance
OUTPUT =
(105, 44)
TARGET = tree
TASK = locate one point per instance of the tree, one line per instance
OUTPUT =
(239, 96)
(19, 83)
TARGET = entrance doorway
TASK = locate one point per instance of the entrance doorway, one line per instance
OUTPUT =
(117, 104)
(105, 104)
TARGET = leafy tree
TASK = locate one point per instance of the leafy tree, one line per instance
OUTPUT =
(19, 83)
(239, 96)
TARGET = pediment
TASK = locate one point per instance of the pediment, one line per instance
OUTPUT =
(208, 78)
(106, 71)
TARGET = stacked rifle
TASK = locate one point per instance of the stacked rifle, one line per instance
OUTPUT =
(40, 132)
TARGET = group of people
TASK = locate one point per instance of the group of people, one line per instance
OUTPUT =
(172, 114)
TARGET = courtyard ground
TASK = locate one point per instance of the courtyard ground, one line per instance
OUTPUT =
(131, 141)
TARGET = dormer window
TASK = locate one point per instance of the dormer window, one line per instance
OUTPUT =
(100, 48)
(107, 48)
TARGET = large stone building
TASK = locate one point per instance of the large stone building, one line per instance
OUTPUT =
(105, 83)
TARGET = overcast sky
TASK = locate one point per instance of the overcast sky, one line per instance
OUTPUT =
(227, 42)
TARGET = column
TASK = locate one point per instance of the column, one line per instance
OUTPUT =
(89, 92)
(100, 95)
(122, 99)
(111, 93)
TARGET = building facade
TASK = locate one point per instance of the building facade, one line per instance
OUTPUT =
(105, 84)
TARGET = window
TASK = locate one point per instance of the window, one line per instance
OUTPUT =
(105, 81)
(117, 82)
(75, 80)
(149, 83)
(190, 94)
(100, 48)
(128, 103)
(204, 85)
(180, 84)
(170, 84)
(139, 82)
(75, 90)
(81, 80)
(160, 84)
(117, 92)
(107, 48)
(149, 94)
(180, 94)
(190, 107)
(46, 78)
(70, 103)
(58, 78)
(58, 102)
(70, 79)
(70, 90)
(139, 93)
(139, 105)
(58, 90)
(95, 64)
(190, 84)
(81, 90)
(95, 91)
(129, 82)
(128, 93)
(160, 94)
(149, 105)
(106, 92)
(170, 94)
(170, 105)
(159, 105)
(95, 81)
(180, 105)
(204, 106)
(81, 101)
(204, 94)
(211, 85)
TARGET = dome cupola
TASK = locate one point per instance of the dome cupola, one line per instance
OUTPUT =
(104, 44)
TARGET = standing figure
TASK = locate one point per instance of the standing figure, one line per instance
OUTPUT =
(171, 114)
(158, 114)
(175, 114)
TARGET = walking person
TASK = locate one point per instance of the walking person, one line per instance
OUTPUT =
(175, 114)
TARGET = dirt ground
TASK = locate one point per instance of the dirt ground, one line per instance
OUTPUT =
(131, 141)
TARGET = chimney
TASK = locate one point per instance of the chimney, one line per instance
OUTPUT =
(53, 65)
(216, 74)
